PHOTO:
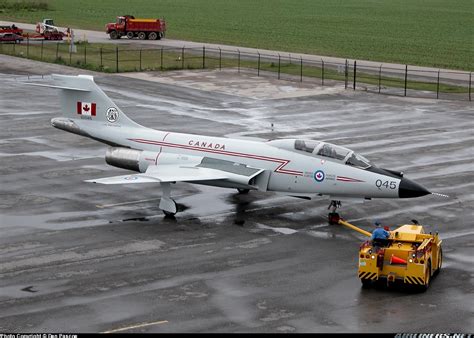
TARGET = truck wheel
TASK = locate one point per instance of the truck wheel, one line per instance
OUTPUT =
(113, 35)
(440, 262)
(152, 36)
(142, 35)
(130, 35)
(160, 35)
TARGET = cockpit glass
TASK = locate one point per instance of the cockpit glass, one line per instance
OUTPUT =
(359, 161)
(306, 145)
(332, 151)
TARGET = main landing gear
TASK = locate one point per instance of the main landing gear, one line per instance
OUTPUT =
(167, 204)
(333, 216)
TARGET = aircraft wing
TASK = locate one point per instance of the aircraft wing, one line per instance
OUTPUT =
(165, 173)
(207, 170)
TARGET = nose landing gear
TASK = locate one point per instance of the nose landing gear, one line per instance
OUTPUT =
(333, 216)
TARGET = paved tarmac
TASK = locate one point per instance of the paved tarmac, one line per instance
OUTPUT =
(80, 257)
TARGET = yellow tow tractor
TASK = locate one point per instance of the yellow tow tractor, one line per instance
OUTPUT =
(409, 256)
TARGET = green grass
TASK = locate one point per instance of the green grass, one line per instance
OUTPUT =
(434, 33)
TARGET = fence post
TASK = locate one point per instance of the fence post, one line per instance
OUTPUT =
(380, 77)
(258, 65)
(437, 87)
(70, 55)
(346, 74)
(161, 62)
(279, 61)
(238, 60)
(322, 73)
(182, 58)
(470, 77)
(140, 59)
(27, 46)
(203, 57)
(85, 53)
(301, 69)
(220, 58)
(100, 52)
(116, 59)
(355, 71)
(42, 45)
(406, 76)
(57, 50)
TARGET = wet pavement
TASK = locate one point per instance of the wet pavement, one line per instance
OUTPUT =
(80, 257)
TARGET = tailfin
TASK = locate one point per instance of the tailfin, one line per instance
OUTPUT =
(82, 99)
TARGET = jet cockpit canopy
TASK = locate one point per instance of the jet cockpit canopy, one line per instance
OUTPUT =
(326, 150)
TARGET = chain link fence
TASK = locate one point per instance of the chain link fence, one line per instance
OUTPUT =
(383, 80)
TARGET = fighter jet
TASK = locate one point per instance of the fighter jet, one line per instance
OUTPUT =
(295, 167)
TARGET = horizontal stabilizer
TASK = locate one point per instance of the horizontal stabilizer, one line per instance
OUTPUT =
(57, 87)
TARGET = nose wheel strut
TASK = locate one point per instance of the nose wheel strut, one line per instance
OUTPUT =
(333, 216)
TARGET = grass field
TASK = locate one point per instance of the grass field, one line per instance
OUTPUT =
(434, 33)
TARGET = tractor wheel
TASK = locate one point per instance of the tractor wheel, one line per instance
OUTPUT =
(142, 35)
(425, 287)
(130, 35)
(366, 283)
(440, 262)
(152, 36)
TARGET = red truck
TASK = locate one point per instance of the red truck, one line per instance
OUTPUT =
(151, 29)
(11, 29)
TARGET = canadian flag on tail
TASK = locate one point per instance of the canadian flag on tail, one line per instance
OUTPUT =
(86, 108)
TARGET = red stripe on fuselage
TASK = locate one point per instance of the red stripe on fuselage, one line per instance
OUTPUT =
(280, 169)
(347, 179)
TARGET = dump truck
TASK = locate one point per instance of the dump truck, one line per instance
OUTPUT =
(409, 257)
(127, 25)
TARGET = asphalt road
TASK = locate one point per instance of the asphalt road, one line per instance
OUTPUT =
(80, 257)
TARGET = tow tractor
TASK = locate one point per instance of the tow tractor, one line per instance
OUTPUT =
(408, 256)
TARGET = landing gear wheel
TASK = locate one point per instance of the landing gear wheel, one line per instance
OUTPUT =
(142, 35)
(243, 191)
(333, 216)
(170, 213)
(130, 35)
(152, 36)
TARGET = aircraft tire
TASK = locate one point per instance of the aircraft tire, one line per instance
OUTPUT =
(243, 191)
(169, 213)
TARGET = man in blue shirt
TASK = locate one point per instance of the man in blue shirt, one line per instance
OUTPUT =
(379, 235)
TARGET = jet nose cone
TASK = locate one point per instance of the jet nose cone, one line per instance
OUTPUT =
(409, 189)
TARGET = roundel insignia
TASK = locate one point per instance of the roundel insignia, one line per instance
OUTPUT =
(319, 175)
(112, 114)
